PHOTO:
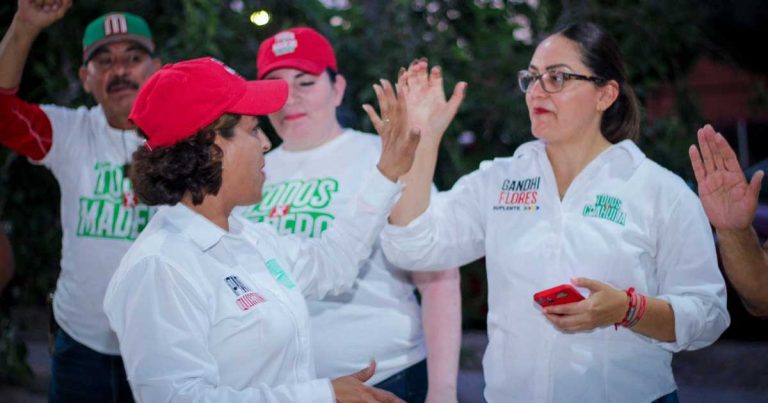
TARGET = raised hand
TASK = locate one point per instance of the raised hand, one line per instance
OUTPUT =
(351, 389)
(729, 201)
(39, 14)
(428, 110)
(398, 140)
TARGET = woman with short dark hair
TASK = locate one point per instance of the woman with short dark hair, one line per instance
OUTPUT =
(581, 205)
(210, 307)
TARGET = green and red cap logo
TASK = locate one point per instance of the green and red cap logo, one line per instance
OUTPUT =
(113, 27)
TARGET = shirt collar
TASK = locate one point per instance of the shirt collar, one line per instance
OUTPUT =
(200, 230)
(623, 149)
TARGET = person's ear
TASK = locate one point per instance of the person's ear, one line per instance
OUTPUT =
(340, 86)
(608, 94)
(83, 74)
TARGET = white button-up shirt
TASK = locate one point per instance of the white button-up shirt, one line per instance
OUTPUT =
(624, 221)
(207, 315)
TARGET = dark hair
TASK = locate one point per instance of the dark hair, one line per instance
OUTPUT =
(332, 74)
(603, 56)
(193, 165)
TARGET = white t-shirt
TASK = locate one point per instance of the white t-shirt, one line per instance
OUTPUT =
(99, 217)
(624, 221)
(380, 317)
(204, 314)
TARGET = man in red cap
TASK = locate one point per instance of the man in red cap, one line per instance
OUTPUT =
(87, 150)
(311, 178)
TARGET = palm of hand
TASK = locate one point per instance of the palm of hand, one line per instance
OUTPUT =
(727, 200)
(427, 108)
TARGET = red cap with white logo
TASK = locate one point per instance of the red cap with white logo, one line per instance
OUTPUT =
(182, 98)
(299, 48)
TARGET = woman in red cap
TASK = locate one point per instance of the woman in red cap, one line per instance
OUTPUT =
(206, 306)
(311, 178)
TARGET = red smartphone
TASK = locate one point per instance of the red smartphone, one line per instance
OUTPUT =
(562, 294)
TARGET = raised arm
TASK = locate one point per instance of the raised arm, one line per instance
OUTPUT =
(730, 203)
(26, 128)
(429, 112)
(330, 264)
(30, 19)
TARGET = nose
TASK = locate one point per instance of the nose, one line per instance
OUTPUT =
(293, 96)
(266, 145)
(536, 88)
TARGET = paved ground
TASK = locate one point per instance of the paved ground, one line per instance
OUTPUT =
(728, 371)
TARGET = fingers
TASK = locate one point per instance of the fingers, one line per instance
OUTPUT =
(698, 166)
(378, 124)
(457, 97)
(724, 151)
(565, 309)
(591, 285)
(754, 184)
(569, 323)
(365, 373)
(706, 141)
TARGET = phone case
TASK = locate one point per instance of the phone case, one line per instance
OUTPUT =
(562, 294)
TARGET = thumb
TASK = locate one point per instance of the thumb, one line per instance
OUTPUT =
(592, 285)
(365, 373)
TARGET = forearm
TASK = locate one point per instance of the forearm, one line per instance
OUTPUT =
(441, 318)
(746, 264)
(14, 49)
(658, 322)
(418, 184)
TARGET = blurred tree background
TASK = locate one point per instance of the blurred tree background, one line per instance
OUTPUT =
(483, 42)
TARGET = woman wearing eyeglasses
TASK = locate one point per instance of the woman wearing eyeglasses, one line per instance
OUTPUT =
(580, 205)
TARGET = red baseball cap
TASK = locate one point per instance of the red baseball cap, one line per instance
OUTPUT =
(182, 98)
(299, 48)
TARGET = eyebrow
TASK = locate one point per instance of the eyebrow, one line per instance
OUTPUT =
(551, 66)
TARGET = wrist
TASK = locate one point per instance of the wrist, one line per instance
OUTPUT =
(735, 233)
(24, 27)
(388, 172)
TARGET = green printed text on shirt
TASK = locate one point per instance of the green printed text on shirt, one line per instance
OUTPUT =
(607, 208)
(113, 212)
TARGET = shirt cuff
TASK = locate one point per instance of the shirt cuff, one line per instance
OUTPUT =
(9, 91)
(378, 192)
(685, 329)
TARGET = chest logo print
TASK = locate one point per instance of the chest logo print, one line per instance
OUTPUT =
(519, 195)
(607, 208)
(298, 206)
(246, 299)
(279, 274)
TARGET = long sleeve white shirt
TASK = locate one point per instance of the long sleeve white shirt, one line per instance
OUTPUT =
(206, 315)
(624, 221)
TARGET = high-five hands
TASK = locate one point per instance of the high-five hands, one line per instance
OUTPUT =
(398, 140)
(428, 110)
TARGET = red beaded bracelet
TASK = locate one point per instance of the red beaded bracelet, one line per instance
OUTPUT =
(631, 308)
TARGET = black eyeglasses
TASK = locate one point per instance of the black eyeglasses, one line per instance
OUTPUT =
(551, 81)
